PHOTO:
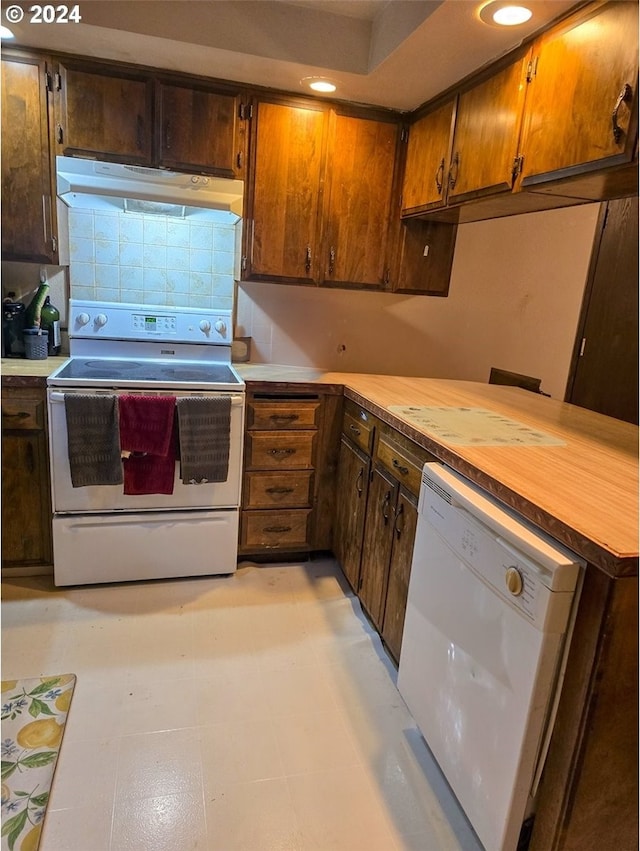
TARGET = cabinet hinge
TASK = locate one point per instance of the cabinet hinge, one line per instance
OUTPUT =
(54, 244)
(387, 277)
(404, 134)
(48, 81)
(518, 163)
(239, 159)
(243, 263)
(532, 68)
(246, 111)
(582, 347)
(58, 79)
(59, 134)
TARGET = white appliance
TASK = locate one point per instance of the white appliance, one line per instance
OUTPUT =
(101, 534)
(78, 178)
(490, 607)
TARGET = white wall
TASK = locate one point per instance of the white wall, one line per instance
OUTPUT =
(516, 290)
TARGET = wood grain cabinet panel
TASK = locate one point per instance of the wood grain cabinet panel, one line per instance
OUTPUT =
(277, 450)
(200, 128)
(26, 499)
(428, 152)
(376, 548)
(350, 509)
(28, 192)
(278, 490)
(279, 414)
(581, 105)
(359, 194)
(284, 202)
(486, 136)
(404, 533)
(105, 113)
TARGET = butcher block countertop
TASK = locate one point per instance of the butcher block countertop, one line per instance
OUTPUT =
(583, 491)
(580, 484)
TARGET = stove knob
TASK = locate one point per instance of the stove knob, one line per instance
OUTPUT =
(205, 326)
(101, 320)
(513, 578)
(82, 319)
(220, 327)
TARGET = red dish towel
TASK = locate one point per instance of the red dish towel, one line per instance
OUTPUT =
(147, 431)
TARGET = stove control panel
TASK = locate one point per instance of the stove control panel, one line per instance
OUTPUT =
(113, 321)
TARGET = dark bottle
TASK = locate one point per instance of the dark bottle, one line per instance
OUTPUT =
(50, 321)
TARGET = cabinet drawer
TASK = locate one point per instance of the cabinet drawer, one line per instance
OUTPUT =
(282, 414)
(23, 414)
(277, 490)
(280, 450)
(402, 465)
(266, 529)
(359, 426)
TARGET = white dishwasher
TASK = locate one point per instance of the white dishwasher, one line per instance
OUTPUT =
(490, 609)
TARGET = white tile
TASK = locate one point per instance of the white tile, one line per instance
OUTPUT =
(163, 823)
(107, 276)
(177, 258)
(177, 233)
(154, 256)
(155, 764)
(154, 231)
(131, 253)
(107, 226)
(200, 260)
(252, 817)
(131, 278)
(201, 237)
(80, 224)
(107, 251)
(78, 829)
(237, 751)
(81, 250)
(131, 229)
(314, 741)
(91, 757)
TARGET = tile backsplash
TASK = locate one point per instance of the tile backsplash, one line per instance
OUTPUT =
(149, 259)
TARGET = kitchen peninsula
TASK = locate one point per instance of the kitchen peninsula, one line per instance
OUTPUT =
(582, 489)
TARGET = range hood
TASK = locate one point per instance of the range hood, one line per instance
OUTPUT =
(78, 177)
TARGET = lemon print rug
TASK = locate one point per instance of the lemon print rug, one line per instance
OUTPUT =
(34, 713)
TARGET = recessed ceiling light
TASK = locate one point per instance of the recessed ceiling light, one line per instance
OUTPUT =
(504, 14)
(5, 32)
(319, 84)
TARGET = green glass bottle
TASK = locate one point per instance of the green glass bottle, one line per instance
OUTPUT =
(50, 321)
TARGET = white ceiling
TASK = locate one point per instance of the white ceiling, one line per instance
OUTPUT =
(393, 53)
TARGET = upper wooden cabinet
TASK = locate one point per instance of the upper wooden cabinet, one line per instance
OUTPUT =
(320, 199)
(484, 156)
(467, 147)
(133, 117)
(200, 127)
(284, 203)
(427, 164)
(28, 195)
(107, 113)
(358, 201)
(581, 106)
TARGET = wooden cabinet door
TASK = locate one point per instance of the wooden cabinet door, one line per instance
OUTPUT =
(106, 113)
(28, 196)
(26, 500)
(574, 104)
(199, 129)
(425, 174)
(360, 181)
(284, 202)
(404, 533)
(376, 550)
(351, 503)
(485, 144)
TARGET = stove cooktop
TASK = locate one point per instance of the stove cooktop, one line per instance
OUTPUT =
(113, 372)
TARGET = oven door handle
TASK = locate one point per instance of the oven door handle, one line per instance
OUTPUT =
(58, 396)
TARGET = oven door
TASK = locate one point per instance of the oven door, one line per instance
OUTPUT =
(103, 498)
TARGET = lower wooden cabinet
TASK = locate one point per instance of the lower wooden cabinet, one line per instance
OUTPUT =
(26, 497)
(377, 489)
(289, 470)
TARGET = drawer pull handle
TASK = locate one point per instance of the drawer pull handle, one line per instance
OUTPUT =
(285, 417)
(20, 415)
(277, 529)
(281, 452)
(355, 430)
(398, 466)
(279, 490)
